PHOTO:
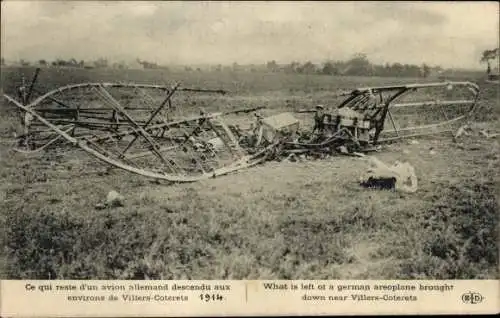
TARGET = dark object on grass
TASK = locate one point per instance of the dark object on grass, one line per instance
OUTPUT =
(380, 183)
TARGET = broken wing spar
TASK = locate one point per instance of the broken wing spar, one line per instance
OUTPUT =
(95, 108)
(131, 130)
(90, 147)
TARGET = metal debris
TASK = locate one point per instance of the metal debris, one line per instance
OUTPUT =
(125, 126)
(400, 176)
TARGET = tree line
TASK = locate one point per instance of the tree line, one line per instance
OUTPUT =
(357, 65)
(99, 63)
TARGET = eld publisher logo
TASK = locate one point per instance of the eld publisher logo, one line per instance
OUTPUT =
(472, 298)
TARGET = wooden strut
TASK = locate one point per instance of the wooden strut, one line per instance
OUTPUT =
(90, 123)
(164, 126)
(47, 144)
(188, 149)
(392, 122)
(106, 85)
(32, 85)
(413, 128)
(245, 162)
(162, 105)
(380, 124)
(179, 123)
(435, 103)
(154, 146)
(444, 123)
(80, 112)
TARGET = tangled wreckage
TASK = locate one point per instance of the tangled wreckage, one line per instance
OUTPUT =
(133, 126)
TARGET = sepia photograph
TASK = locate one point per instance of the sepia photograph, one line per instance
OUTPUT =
(242, 140)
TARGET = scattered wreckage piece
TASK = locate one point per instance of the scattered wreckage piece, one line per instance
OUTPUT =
(467, 130)
(362, 117)
(399, 177)
(122, 125)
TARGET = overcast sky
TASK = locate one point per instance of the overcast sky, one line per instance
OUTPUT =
(450, 34)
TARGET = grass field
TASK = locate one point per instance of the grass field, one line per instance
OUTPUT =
(280, 220)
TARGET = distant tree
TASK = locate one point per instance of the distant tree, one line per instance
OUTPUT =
(295, 66)
(42, 62)
(292, 67)
(101, 63)
(426, 70)
(411, 70)
(198, 69)
(72, 62)
(188, 68)
(119, 65)
(386, 71)
(272, 66)
(81, 63)
(307, 68)
(147, 65)
(328, 68)
(2, 61)
(359, 65)
(60, 62)
(438, 69)
(218, 68)
(397, 69)
(379, 70)
(489, 55)
(24, 62)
